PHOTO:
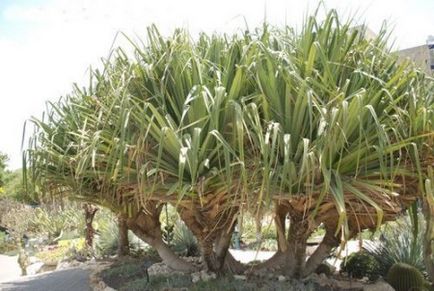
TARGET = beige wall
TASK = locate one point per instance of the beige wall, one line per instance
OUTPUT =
(420, 55)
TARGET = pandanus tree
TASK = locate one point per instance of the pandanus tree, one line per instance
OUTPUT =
(335, 130)
(321, 127)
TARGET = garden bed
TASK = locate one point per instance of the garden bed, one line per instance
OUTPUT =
(130, 275)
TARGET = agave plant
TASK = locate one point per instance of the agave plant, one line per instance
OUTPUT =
(397, 245)
(323, 124)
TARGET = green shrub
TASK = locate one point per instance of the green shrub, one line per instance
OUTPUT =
(404, 277)
(397, 245)
(184, 241)
(361, 264)
(54, 222)
(107, 238)
(6, 245)
(64, 250)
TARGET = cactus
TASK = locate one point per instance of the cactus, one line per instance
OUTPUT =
(404, 277)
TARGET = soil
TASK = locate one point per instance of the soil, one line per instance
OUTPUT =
(126, 270)
(130, 275)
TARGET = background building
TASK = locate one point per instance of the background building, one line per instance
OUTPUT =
(422, 56)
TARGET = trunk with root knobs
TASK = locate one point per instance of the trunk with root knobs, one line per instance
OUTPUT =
(146, 225)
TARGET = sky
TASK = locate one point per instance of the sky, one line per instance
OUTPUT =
(47, 45)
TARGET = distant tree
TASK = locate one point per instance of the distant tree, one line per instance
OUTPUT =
(14, 187)
(3, 163)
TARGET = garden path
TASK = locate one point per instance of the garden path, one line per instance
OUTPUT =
(76, 279)
(9, 269)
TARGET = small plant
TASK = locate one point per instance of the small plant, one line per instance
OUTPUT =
(23, 261)
(184, 241)
(404, 277)
(397, 245)
(54, 222)
(361, 264)
(168, 233)
(6, 243)
(107, 239)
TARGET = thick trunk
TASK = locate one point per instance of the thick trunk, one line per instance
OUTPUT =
(213, 229)
(290, 258)
(207, 252)
(166, 254)
(214, 251)
(280, 221)
(276, 262)
(233, 266)
(89, 214)
(124, 245)
(297, 241)
(321, 252)
(146, 225)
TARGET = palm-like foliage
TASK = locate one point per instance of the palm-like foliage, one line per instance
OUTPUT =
(324, 123)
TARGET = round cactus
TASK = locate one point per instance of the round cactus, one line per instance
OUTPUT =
(404, 277)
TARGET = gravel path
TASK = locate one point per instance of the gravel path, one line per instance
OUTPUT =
(75, 279)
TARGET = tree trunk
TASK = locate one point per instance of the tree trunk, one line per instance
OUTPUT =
(89, 214)
(321, 252)
(297, 240)
(123, 244)
(213, 229)
(233, 266)
(146, 225)
(290, 258)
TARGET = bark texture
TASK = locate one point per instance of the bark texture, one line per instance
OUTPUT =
(123, 244)
(146, 225)
(89, 214)
(213, 227)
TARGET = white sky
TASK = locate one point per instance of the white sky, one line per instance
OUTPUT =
(46, 45)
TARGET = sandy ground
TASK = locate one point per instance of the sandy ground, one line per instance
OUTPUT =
(246, 256)
(9, 269)
(75, 279)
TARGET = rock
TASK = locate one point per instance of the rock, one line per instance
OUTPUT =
(207, 276)
(35, 268)
(380, 285)
(100, 286)
(281, 278)
(33, 260)
(63, 265)
(195, 277)
(159, 269)
(240, 277)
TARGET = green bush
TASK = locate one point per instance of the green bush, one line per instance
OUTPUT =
(6, 245)
(397, 245)
(56, 221)
(184, 241)
(404, 277)
(361, 264)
